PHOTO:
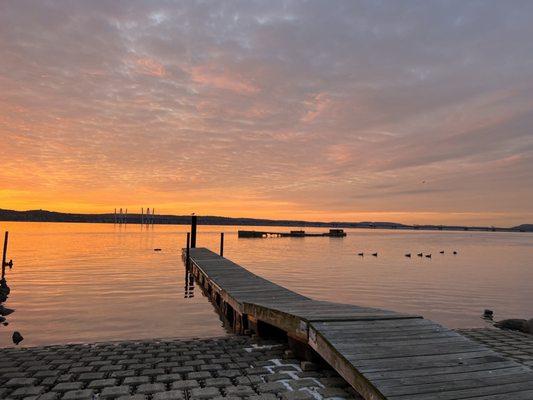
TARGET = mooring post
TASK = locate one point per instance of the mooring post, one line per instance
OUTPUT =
(4, 263)
(221, 244)
(194, 221)
(187, 251)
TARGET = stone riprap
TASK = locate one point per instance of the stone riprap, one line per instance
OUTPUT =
(515, 345)
(233, 367)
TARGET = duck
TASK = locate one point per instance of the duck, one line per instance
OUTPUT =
(408, 255)
(420, 254)
(361, 254)
(375, 254)
(428, 255)
(455, 252)
(442, 252)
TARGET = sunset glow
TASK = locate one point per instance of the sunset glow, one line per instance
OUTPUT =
(413, 112)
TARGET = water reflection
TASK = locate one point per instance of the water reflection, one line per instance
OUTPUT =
(189, 283)
(5, 290)
(97, 282)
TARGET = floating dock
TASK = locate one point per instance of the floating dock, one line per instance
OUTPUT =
(382, 354)
(294, 233)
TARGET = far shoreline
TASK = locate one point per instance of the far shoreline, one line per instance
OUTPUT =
(50, 216)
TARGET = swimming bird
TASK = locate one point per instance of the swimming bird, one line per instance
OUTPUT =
(420, 254)
(408, 255)
(428, 255)
(361, 254)
(454, 252)
(375, 254)
(442, 252)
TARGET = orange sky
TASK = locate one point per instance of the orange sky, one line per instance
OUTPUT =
(406, 112)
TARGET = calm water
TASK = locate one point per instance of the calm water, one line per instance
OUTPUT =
(90, 282)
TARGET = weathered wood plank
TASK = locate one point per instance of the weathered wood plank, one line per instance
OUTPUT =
(430, 378)
(510, 390)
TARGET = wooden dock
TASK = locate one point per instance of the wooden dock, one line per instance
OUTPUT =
(293, 233)
(382, 354)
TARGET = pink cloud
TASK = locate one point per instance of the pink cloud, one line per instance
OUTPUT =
(149, 66)
(222, 80)
(339, 154)
(320, 103)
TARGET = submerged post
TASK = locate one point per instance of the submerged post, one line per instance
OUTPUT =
(194, 221)
(221, 244)
(4, 263)
(187, 250)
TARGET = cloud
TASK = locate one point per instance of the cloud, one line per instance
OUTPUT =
(150, 67)
(205, 75)
(319, 109)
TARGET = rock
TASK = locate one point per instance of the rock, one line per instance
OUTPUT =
(6, 311)
(2, 319)
(530, 326)
(488, 314)
(17, 337)
(513, 324)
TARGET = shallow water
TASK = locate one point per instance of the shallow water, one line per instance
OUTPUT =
(93, 282)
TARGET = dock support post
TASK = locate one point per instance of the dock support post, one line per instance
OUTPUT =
(4, 263)
(194, 221)
(187, 251)
(221, 244)
(6, 237)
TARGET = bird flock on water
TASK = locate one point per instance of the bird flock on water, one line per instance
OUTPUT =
(409, 255)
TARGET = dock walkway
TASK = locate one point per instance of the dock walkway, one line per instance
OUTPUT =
(382, 354)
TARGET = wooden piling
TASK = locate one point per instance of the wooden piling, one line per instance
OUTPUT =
(221, 244)
(194, 222)
(188, 247)
(4, 263)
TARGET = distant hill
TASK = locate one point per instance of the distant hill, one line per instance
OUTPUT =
(52, 216)
(524, 227)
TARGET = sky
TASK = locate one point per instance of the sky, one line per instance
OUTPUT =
(406, 111)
